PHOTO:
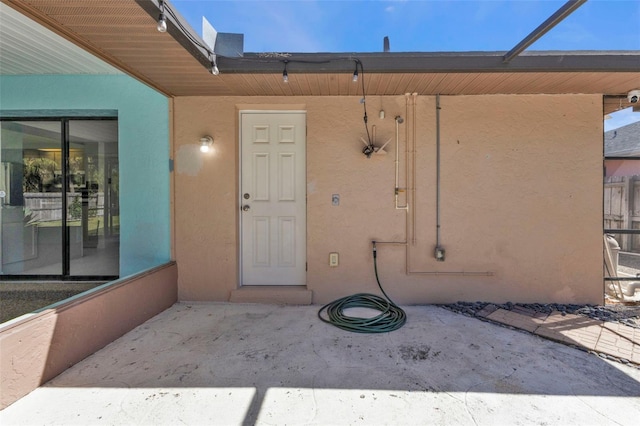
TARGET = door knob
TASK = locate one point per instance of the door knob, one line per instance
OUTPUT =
(245, 208)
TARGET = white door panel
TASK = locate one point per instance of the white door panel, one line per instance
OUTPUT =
(273, 198)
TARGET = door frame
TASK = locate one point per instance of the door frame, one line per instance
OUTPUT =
(65, 274)
(239, 188)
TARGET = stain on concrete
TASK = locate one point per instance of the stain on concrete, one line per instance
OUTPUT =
(417, 353)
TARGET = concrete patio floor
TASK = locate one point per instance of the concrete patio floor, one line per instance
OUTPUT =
(264, 364)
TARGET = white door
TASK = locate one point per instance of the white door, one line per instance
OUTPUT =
(273, 204)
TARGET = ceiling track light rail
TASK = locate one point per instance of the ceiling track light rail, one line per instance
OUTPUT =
(169, 21)
(358, 75)
(163, 27)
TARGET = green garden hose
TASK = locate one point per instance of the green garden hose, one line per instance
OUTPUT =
(391, 316)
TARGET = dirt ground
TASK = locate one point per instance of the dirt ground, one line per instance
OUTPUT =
(19, 298)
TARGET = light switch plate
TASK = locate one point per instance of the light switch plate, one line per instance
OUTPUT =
(333, 259)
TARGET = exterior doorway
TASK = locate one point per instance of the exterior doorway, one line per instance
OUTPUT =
(273, 198)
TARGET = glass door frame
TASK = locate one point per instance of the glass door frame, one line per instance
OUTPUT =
(65, 240)
(619, 231)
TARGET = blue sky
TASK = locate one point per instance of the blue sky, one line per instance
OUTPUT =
(423, 26)
(420, 26)
(620, 118)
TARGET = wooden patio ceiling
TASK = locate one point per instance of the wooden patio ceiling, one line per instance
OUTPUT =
(123, 33)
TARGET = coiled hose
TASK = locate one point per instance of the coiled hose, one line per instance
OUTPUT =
(391, 316)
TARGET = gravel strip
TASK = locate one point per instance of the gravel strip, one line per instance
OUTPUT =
(625, 314)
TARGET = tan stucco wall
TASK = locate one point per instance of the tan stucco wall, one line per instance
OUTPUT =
(521, 197)
(38, 347)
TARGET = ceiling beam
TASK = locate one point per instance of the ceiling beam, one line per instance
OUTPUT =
(449, 62)
(551, 22)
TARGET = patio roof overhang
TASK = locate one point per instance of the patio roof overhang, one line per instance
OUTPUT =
(123, 34)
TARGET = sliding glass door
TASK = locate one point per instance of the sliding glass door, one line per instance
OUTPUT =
(93, 218)
(59, 204)
(30, 197)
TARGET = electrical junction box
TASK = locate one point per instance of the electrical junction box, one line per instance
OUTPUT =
(333, 259)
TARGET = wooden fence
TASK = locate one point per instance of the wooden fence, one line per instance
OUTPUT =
(622, 209)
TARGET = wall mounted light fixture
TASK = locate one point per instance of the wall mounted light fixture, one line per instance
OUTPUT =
(205, 143)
